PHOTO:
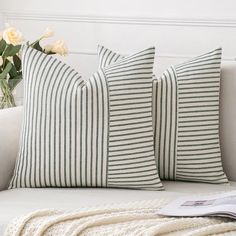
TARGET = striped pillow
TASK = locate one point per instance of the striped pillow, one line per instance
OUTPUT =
(186, 118)
(87, 134)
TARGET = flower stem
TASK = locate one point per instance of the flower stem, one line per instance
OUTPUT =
(7, 99)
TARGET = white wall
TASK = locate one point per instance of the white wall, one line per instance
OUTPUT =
(178, 28)
(1, 22)
(210, 9)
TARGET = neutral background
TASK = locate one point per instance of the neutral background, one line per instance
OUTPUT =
(179, 29)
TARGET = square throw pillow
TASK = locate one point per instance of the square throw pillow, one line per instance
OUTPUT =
(185, 118)
(96, 133)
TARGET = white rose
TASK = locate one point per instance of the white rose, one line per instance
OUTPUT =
(48, 33)
(12, 36)
(48, 48)
(0, 35)
(60, 48)
(1, 61)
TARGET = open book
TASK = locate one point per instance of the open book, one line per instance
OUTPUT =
(223, 204)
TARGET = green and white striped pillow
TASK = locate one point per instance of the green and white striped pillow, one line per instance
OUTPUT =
(185, 118)
(95, 133)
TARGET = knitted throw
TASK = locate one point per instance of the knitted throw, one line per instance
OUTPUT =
(136, 219)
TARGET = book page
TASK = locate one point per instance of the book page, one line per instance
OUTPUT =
(222, 204)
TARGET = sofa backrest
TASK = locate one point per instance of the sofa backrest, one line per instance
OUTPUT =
(12, 118)
(228, 118)
(10, 126)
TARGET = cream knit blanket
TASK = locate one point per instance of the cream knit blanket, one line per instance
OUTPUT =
(136, 219)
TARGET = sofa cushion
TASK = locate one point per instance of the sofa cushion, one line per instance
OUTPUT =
(16, 202)
(10, 124)
(95, 133)
(186, 118)
(227, 118)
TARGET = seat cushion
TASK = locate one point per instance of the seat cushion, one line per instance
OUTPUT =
(16, 202)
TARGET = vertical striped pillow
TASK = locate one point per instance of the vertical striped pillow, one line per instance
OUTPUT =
(90, 134)
(186, 118)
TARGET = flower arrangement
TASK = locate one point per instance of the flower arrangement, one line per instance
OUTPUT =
(11, 41)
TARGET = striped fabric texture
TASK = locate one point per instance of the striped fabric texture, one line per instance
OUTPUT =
(95, 133)
(186, 118)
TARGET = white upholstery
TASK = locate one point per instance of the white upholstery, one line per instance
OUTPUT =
(228, 118)
(10, 125)
(16, 202)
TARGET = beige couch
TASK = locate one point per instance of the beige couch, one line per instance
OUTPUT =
(20, 201)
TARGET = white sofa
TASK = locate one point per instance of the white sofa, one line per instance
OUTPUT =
(16, 202)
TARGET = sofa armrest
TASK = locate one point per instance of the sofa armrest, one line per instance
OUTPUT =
(10, 125)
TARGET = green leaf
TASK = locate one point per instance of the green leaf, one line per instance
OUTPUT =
(50, 53)
(8, 49)
(37, 46)
(6, 70)
(14, 81)
(11, 50)
(2, 46)
(13, 71)
(17, 62)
